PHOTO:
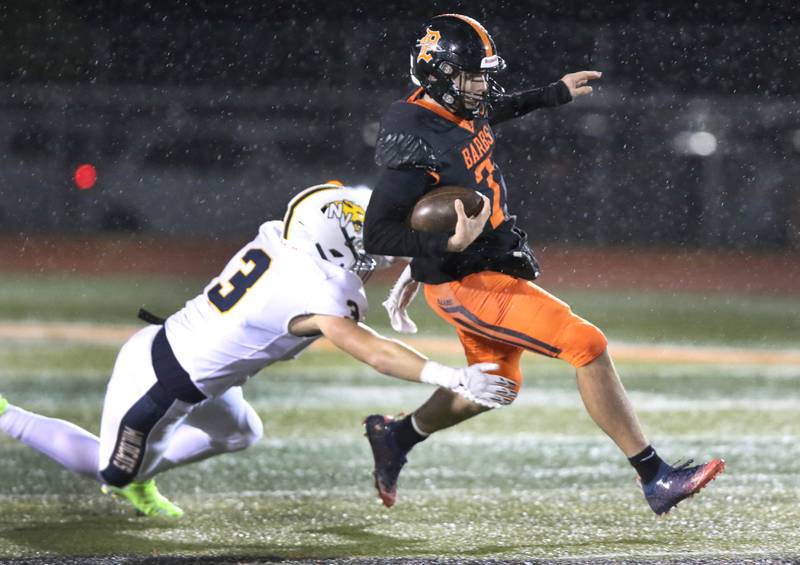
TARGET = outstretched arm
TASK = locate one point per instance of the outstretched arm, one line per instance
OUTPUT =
(387, 356)
(394, 358)
(571, 86)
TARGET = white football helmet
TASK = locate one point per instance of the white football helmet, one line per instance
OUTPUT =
(327, 220)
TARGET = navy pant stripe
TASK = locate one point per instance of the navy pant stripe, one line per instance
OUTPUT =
(169, 372)
(554, 351)
(173, 383)
(134, 429)
(479, 331)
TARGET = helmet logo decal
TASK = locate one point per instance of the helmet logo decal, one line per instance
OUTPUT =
(490, 62)
(347, 212)
(428, 44)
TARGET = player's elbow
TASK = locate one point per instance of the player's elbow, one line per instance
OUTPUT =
(372, 237)
(382, 234)
(248, 432)
(370, 244)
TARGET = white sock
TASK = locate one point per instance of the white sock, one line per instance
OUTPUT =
(222, 425)
(187, 445)
(65, 443)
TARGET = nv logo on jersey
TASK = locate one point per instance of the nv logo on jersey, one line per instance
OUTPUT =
(347, 212)
(428, 44)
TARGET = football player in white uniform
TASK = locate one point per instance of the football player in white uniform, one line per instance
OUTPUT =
(175, 394)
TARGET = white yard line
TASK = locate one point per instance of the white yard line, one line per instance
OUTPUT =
(116, 334)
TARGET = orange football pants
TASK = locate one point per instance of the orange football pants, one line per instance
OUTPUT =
(498, 316)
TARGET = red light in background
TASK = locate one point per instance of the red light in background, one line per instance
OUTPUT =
(85, 176)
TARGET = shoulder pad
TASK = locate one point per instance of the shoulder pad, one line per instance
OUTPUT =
(397, 150)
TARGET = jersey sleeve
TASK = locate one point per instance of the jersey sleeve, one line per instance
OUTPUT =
(406, 158)
(341, 295)
(518, 104)
(385, 230)
(401, 150)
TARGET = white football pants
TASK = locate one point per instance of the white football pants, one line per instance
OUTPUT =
(184, 434)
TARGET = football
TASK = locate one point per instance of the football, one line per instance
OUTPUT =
(435, 211)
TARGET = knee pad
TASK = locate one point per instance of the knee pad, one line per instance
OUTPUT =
(583, 342)
(256, 429)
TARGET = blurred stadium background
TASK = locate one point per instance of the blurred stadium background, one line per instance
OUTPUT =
(200, 117)
(665, 207)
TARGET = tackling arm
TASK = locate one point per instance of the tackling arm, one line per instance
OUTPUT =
(396, 359)
(387, 356)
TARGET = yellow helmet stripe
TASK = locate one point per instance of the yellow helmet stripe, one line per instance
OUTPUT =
(287, 219)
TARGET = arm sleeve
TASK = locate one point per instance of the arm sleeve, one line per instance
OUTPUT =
(342, 296)
(385, 230)
(521, 103)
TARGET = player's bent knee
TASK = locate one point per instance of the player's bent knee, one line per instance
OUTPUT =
(585, 343)
(251, 432)
(242, 441)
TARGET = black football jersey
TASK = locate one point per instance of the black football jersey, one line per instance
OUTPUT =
(422, 146)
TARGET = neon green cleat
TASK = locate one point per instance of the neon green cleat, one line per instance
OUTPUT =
(3, 404)
(146, 499)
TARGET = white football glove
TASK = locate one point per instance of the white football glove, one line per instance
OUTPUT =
(473, 383)
(401, 295)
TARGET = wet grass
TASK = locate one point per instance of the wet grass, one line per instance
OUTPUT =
(454, 524)
(533, 481)
(763, 321)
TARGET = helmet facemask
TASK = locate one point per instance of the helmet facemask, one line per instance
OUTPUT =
(461, 100)
(362, 264)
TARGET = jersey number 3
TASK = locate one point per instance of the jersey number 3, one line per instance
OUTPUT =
(485, 170)
(225, 295)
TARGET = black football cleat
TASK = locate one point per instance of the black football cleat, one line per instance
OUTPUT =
(389, 458)
(673, 484)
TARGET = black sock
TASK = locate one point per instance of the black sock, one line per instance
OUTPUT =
(405, 435)
(646, 463)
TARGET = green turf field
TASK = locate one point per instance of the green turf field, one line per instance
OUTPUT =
(533, 481)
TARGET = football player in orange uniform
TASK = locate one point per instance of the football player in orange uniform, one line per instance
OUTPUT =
(480, 279)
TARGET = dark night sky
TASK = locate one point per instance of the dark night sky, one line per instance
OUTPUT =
(239, 103)
(712, 47)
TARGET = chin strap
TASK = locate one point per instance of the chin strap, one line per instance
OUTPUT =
(150, 318)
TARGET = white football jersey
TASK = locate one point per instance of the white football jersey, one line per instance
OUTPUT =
(240, 323)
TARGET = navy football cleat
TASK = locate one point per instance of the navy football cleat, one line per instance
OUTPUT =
(673, 484)
(389, 458)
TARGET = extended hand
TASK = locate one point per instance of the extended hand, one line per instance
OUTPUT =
(578, 82)
(474, 383)
(401, 295)
(486, 389)
(468, 229)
